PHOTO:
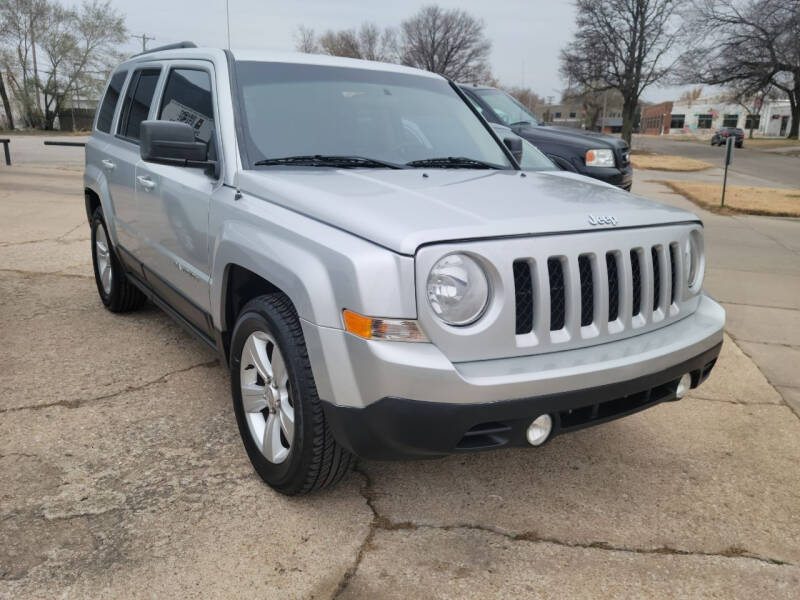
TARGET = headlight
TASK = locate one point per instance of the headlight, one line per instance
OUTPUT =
(694, 260)
(458, 290)
(600, 158)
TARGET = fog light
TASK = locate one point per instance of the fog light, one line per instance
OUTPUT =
(684, 385)
(539, 430)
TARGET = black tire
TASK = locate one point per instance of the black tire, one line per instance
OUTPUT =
(123, 295)
(315, 459)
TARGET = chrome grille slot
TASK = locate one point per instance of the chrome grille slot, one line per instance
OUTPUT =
(558, 302)
(523, 285)
(613, 286)
(673, 263)
(587, 289)
(636, 281)
(655, 253)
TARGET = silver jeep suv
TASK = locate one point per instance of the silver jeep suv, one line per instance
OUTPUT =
(381, 276)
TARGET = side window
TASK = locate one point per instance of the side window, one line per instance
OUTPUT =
(187, 98)
(106, 113)
(137, 102)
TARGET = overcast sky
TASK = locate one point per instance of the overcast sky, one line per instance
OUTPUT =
(526, 35)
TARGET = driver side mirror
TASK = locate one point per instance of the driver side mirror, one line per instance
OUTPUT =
(173, 143)
(514, 144)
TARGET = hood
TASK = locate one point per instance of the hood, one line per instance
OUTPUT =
(403, 209)
(572, 136)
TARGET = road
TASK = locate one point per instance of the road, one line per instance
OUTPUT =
(759, 167)
(122, 474)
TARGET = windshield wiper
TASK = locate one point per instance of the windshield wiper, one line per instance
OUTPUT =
(330, 160)
(453, 162)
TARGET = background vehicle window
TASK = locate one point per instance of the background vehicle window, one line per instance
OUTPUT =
(507, 108)
(106, 112)
(187, 98)
(137, 102)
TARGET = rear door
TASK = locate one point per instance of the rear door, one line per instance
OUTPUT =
(99, 165)
(122, 154)
(173, 202)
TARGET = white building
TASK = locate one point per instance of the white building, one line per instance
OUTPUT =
(703, 116)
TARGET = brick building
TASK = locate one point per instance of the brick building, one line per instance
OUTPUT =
(656, 118)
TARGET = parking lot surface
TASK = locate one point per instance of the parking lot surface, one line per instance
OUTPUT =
(123, 475)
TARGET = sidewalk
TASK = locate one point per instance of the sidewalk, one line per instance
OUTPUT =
(753, 269)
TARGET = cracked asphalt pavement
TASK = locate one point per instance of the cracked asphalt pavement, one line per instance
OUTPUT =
(122, 474)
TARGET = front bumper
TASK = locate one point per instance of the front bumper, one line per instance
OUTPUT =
(402, 400)
(621, 177)
(399, 428)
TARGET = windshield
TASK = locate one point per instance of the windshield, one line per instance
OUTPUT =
(297, 110)
(507, 107)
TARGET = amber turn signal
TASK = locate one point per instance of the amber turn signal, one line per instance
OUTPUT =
(397, 330)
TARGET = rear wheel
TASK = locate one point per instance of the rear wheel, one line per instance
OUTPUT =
(117, 293)
(275, 399)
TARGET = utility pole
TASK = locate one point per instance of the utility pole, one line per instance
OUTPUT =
(144, 37)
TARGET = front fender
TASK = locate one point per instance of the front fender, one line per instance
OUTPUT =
(323, 270)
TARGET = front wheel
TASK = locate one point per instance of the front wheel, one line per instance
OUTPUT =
(275, 399)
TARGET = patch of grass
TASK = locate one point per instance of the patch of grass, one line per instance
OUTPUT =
(768, 143)
(776, 202)
(667, 162)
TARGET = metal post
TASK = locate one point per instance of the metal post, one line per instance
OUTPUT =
(5, 151)
(603, 121)
(228, 22)
(728, 158)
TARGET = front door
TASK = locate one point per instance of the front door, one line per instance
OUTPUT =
(173, 202)
(784, 125)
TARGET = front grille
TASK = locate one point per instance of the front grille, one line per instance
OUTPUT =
(632, 283)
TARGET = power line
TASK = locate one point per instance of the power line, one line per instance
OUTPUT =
(144, 37)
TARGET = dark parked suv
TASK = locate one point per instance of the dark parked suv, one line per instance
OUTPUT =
(596, 155)
(722, 134)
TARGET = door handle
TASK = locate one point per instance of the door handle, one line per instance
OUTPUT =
(145, 182)
(107, 165)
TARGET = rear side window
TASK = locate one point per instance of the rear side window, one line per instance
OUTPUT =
(137, 102)
(187, 98)
(109, 104)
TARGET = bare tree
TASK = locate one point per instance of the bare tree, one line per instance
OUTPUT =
(752, 102)
(622, 45)
(369, 42)
(692, 95)
(749, 44)
(55, 53)
(449, 42)
(6, 103)
(306, 40)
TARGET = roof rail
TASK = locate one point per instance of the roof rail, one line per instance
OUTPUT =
(169, 47)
